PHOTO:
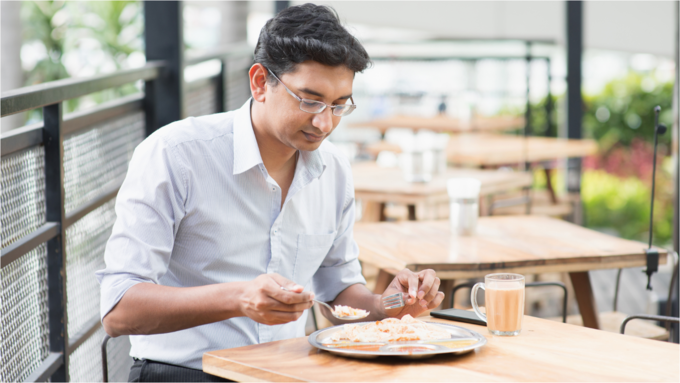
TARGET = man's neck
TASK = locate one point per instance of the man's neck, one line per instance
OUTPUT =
(276, 156)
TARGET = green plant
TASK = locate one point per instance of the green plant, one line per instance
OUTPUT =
(624, 110)
(622, 204)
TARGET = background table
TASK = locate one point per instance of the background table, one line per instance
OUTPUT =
(375, 186)
(493, 150)
(444, 124)
(514, 244)
(545, 351)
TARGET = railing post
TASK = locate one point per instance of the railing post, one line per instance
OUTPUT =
(56, 247)
(221, 91)
(163, 39)
(574, 97)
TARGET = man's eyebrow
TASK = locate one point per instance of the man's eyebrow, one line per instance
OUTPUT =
(315, 93)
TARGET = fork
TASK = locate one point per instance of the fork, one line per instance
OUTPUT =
(395, 301)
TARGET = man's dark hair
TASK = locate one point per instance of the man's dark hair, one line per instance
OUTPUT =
(308, 32)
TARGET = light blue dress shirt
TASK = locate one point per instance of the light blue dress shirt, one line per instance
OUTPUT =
(198, 207)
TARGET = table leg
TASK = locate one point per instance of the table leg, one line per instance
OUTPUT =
(585, 299)
(373, 212)
(446, 287)
(549, 185)
(411, 212)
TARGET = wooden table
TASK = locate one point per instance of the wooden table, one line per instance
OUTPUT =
(444, 124)
(483, 150)
(545, 351)
(515, 244)
(375, 186)
(492, 150)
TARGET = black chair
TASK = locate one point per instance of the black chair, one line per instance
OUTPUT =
(528, 284)
(105, 360)
(668, 318)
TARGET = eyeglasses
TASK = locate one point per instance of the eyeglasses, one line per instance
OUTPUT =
(316, 107)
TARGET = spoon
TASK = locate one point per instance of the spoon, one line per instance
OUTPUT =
(343, 317)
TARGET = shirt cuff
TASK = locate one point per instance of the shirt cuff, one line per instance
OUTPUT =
(113, 287)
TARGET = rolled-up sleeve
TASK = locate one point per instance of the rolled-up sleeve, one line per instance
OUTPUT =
(340, 269)
(149, 209)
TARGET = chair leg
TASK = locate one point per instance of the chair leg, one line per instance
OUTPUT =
(105, 360)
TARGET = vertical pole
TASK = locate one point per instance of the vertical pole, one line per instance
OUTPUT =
(164, 41)
(549, 103)
(220, 92)
(676, 133)
(280, 6)
(527, 113)
(56, 248)
(574, 98)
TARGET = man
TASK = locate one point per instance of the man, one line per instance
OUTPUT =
(218, 214)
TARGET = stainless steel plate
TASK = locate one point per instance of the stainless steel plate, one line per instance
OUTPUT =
(462, 340)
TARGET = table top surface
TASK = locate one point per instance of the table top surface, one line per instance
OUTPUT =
(445, 124)
(502, 149)
(369, 178)
(497, 149)
(522, 244)
(544, 351)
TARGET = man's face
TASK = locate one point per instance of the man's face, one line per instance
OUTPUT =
(310, 80)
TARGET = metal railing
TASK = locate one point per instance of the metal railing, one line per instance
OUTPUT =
(36, 155)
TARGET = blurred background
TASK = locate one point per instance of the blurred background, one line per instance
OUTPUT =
(627, 69)
(463, 60)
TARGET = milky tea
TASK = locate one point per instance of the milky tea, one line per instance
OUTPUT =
(504, 296)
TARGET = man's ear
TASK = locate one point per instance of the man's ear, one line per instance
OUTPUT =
(258, 81)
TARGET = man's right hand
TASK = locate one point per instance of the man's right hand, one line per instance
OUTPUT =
(263, 300)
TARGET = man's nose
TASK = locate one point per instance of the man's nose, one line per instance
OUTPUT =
(324, 120)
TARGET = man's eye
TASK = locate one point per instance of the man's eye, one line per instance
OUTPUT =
(310, 103)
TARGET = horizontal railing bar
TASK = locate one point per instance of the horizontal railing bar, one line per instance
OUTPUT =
(226, 52)
(53, 361)
(396, 57)
(21, 138)
(201, 82)
(510, 202)
(83, 210)
(29, 242)
(79, 338)
(36, 96)
(78, 121)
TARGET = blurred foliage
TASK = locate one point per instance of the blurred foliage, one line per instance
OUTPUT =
(616, 183)
(623, 204)
(112, 27)
(624, 111)
(46, 21)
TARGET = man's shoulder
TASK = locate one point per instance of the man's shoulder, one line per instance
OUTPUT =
(191, 129)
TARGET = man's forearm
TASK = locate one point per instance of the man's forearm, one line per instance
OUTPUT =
(147, 308)
(358, 296)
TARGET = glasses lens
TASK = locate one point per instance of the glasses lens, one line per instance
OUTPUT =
(311, 106)
(343, 110)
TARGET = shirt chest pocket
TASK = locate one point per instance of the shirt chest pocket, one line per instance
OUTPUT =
(311, 251)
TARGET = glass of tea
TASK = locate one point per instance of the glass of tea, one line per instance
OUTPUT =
(504, 297)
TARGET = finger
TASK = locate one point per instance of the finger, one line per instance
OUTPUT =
(427, 277)
(433, 290)
(287, 283)
(281, 317)
(290, 308)
(436, 301)
(292, 298)
(412, 283)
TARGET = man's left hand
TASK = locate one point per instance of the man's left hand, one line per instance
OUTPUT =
(422, 289)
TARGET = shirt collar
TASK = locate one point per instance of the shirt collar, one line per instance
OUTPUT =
(247, 153)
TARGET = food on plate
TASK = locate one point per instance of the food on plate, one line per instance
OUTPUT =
(391, 330)
(346, 311)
